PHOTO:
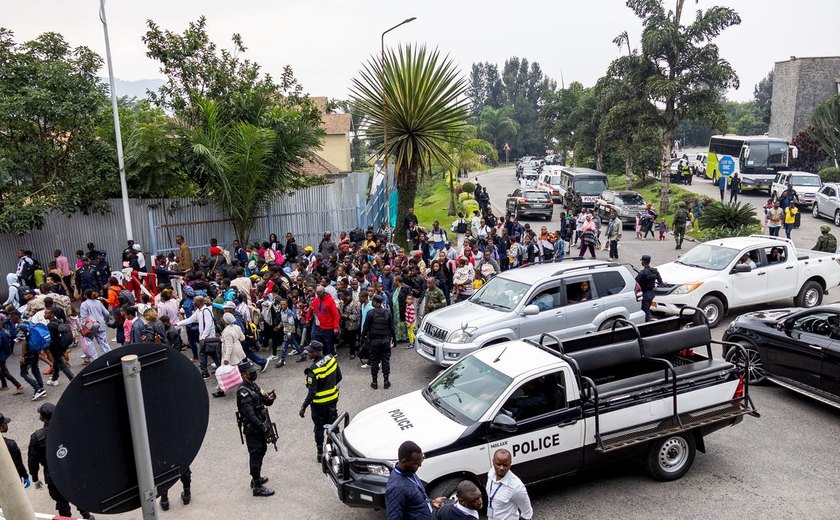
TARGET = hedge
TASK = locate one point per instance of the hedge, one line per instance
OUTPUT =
(830, 174)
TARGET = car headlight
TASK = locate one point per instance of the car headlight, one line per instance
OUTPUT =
(687, 288)
(379, 469)
(461, 335)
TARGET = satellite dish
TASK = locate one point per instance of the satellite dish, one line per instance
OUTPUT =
(89, 447)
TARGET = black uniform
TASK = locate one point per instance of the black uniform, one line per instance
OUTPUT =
(378, 333)
(14, 451)
(647, 280)
(38, 457)
(322, 379)
(251, 402)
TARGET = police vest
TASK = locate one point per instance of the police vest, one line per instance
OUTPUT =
(379, 323)
(323, 374)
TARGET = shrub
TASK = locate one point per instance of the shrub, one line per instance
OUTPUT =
(469, 205)
(740, 231)
(464, 196)
(730, 216)
(468, 186)
(830, 174)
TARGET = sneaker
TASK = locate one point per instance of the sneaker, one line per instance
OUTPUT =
(374, 385)
(218, 393)
(410, 346)
(387, 384)
(52, 383)
(213, 366)
(39, 394)
(205, 375)
(164, 503)
(280, 363)
(364, 365)
(18, 391)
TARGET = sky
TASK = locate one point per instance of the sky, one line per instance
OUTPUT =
(326, 41)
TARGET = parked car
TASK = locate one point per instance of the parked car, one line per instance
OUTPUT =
(558, 409)
(827, 202)
(795, 348)
(566, 298)
(734, 272)
(625, 203)
(806, 185)
(549, 182)
(529, 202)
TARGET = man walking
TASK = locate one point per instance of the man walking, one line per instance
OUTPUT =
(38, 457)
(327, 319)
(647, 279)
(378, 333)
(405, 496)
(721, 182)
(14, 451)
(251, 404)
(61, 338)
(322, 379)
(507, 498)
(775, 216)
(614, 229)
(734, 188)
(206, 331)
(680, 220)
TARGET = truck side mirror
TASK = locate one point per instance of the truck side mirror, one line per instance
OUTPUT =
(503, 422)
(530, 310)
(742, 268)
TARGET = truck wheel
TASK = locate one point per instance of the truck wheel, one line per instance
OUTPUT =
(606, 325)
(445, 488)
(516, 213)
(837, 218)
(810, 295)
(815, 210)
(734, 356)
(671, 457)
(712, 307)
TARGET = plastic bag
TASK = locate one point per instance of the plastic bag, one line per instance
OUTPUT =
(228, 377)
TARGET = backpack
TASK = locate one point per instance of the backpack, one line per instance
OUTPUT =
(39, 337)
(461, 227)
(5, 344)
(226, 254)
(90, 327)
(65, 334)
(126, 297)
(148, 334)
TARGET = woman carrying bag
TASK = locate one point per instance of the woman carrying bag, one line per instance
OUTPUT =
(232, 351)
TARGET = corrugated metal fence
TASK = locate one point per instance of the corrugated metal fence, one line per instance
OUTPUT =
(306, 213)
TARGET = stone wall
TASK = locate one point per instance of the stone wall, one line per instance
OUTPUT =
(799, 86)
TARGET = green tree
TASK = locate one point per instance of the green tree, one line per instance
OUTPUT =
(689, 76)
(810, 155)
(825, 127)
(497, 125)
(51, 102)
(465, 155)
(420, 96)
(763, 96)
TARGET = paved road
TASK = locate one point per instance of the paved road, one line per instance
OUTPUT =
(782, 465)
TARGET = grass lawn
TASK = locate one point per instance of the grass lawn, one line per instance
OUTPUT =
(432, 203)
(651, 189)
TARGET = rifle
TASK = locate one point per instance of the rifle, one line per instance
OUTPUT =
(239, 426)
(271, 436)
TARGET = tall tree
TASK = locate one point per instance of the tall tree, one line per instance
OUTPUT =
(690, 75)
(763, 96)
(465, 155)
(825, 127)
(497, 125)
(51, 102)
(810, 155)
(420, 96)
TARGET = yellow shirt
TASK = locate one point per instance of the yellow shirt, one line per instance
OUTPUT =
(790, 215)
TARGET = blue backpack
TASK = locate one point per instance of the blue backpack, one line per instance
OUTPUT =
(39, 337)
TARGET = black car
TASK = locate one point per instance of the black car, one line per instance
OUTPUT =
(795, 348)
(529, 202)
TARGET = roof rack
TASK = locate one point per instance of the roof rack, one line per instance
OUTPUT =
(581, 267)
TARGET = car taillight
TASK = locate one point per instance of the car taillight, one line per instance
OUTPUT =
(739, 390)
(687, 352)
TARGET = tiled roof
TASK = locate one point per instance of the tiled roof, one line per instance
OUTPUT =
(336, 123)
(316, 166)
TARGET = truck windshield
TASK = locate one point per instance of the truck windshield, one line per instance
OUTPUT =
(632, 199)
(500, 293)
(467, 390)
(805, 180)
(707, 256)
(591, 186)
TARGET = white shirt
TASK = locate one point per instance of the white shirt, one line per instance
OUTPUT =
(472, 512)
(204, 318)
(507, 499)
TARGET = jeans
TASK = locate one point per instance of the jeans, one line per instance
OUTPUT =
(788, 229)
(192, 338)
(59, 366)
(249, 346)
(215, 356)
(584, 247)
(5, 376)
(774, 230)
(31, 363)
(613, 249)
(327, 337)
(290, 340)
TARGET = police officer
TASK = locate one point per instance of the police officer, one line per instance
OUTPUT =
(680, 220)
(322, 378)
(647, 280)
(378, 332)
(251, 402)
(38, 457)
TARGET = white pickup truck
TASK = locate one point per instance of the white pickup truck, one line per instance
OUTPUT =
(559, 407)
(734, 272)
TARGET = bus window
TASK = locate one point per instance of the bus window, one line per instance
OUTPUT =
(758, 156)
(590, 186)
(778, 155)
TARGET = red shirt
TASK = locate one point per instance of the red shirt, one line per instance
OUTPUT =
(326, 312)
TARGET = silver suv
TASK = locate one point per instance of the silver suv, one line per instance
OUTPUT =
(567, 298)
(827, 202)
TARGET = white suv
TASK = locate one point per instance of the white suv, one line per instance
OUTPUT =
(567, 298)
(827, 202)
(806, 186)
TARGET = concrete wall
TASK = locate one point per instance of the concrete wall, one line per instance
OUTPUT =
(799, 86)
(336, 150)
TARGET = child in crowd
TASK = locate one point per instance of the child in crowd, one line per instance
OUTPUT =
(410, 318)
(638, 224)
(662, 228)
(289, 321)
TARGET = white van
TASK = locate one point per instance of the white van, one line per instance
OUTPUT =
(806, 185)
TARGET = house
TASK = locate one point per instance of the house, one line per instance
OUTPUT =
(335, 149)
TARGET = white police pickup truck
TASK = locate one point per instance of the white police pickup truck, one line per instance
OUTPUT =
(559, 406)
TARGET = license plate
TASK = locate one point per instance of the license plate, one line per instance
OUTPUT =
(427, 349)
(537, 206)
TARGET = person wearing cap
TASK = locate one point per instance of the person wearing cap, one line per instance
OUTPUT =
(37, 457)
(322, 379)
(647, 279)
(377, 333)
(827, 241)
(251, 402)
(14, 451)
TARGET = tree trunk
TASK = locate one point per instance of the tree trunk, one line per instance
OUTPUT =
(451, 212)
(667, 142)
(599, 161)
(628, 171)
(407, 192)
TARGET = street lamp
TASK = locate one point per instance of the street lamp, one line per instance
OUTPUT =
(385, 123)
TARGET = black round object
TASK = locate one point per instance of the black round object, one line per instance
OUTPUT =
(89, 448)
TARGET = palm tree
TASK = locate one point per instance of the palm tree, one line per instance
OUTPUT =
(421, 98)
(465, 155)
(236, 163)
(496, 124)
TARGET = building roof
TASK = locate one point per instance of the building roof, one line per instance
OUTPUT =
(315, 166)
(336, 123)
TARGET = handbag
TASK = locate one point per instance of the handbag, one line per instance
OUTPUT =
(212, 345)
(228, 377)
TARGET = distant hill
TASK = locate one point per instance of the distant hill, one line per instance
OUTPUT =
(135, 88)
